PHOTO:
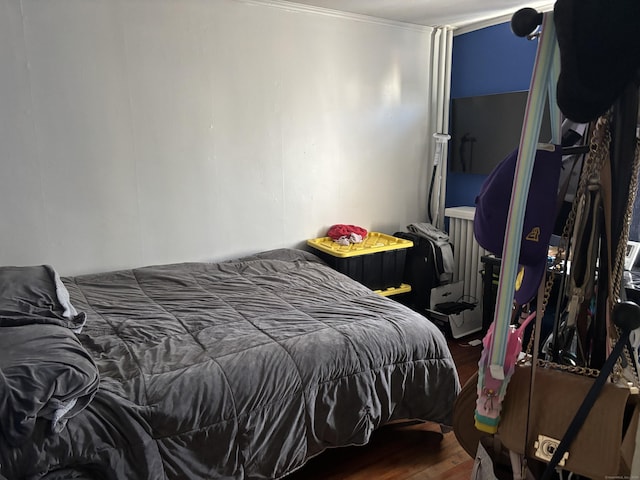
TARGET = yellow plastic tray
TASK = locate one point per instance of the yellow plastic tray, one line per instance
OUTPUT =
(403, 288)
(374, 242)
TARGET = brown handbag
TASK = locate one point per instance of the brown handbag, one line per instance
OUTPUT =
(597, 451)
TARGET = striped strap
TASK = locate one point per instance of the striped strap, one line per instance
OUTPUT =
(554, 111)
(520, 191)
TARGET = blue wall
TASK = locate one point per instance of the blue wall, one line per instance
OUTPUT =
(486, 61)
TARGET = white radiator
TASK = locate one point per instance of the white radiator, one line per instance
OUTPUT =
(467, 265)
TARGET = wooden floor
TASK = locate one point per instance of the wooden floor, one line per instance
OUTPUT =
(417, 452)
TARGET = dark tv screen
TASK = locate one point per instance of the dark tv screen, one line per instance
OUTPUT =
(486, 128)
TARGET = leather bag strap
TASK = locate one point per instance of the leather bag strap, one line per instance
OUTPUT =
(585, 407)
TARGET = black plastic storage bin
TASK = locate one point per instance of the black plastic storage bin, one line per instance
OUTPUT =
(377, 262)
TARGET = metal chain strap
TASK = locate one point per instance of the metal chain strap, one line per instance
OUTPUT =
(584, 371)
(593, 163)
(621, 250)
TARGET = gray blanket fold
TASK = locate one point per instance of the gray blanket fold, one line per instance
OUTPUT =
(46, 375)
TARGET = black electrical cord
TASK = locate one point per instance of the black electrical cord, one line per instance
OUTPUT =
(433, 180)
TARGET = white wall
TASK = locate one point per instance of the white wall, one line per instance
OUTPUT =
(137, 132)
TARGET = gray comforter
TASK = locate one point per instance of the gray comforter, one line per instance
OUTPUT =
(241, 369)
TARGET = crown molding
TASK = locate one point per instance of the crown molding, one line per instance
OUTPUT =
(303, 8)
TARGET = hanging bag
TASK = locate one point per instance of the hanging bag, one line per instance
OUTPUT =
(604, 445)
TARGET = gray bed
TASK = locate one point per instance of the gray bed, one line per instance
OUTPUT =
(241, 369)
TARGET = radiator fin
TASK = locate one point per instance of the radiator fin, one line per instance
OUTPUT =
(467, 263)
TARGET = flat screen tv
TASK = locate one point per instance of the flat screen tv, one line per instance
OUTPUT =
(486, 128)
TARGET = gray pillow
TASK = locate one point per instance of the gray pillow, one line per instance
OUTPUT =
(35, 294)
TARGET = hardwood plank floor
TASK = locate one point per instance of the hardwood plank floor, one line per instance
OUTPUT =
(402, 452)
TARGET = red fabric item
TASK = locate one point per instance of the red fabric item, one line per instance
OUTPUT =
(340, 230)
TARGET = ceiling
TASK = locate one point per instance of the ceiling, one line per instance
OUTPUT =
(434, 13)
